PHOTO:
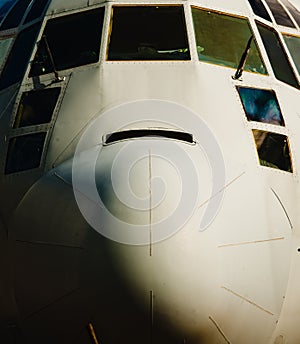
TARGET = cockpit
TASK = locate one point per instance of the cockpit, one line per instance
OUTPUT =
(126, 33)
(74, 40)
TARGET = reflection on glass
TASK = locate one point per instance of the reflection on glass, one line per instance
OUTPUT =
(279, 13)
(273, 150)
(5, 6)
(73, 41)
(293, 43)
(15, 16)
(222, 39)
(148, 33)
(24, 152)
(293, 10)
(36, 10)
(4, 47)
(36, 107)
(279, 61)
(19, 56)
(259, 9)
(261, 105)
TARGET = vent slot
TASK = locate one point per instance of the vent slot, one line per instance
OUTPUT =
(139, 133)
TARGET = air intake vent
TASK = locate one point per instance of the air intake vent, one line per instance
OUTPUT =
(139, 133)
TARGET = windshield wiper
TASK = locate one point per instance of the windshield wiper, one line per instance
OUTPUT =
(57, 77)
(243, 60)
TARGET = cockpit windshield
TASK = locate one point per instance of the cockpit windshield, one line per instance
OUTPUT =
(148, 33)
(221, 39)
(279, 13)
(293, 43)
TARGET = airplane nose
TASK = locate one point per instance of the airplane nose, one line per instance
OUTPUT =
(139, 190)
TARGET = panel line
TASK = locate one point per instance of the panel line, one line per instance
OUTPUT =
(283, 208)
(219, 329)
(247, 300)
(222, 189)
(250, 242)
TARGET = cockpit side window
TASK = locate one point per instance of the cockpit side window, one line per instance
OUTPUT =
(261, 105)
(69, 42)
(279, 13)
(25, 152)
(148, 33)
(259, 9)
(273, 150)
(222, 39)
(36, 107)
(19, 56)
(293, 43)
(279, 61)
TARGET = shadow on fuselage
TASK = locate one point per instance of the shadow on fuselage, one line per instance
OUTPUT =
(65, 277)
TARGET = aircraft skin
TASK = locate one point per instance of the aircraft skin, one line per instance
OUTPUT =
(147, 208)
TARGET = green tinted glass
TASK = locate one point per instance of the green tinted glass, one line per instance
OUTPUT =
(293, 44)
(4, 47)
(222, 39)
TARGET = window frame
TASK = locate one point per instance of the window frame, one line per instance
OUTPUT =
(281, 42)
(110, 27)
(289, 52)
(252, 121)
(41, 157)
(293, 11)
(272, 4)
(9, 76)
(61, 15)
(55, 88)
(273, 168)
(255, 10)
(236, 16)
(36, 128)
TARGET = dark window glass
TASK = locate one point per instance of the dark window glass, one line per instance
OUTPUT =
(5, 7)
(24, 152)
(15, 16)
(279, 13)
(69, 41)
(148, 33)
(293, 11)
(273, 150)
(259, 9)
(261, 105)
(279, 61)
(36, 107)
(293, 43)
(36, 10)
(19, 56)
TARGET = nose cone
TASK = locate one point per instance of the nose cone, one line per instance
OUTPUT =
(151, 194)
(139, 191)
